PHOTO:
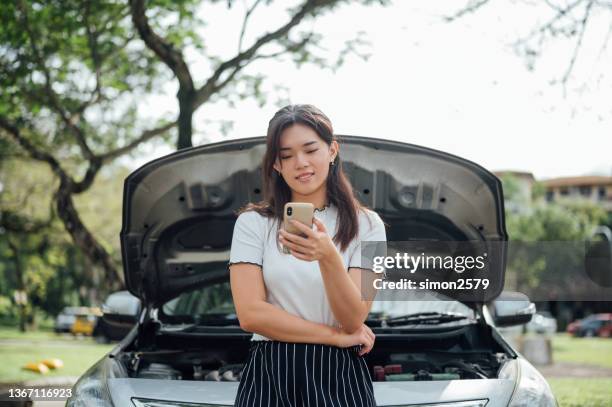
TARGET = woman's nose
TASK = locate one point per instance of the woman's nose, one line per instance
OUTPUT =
(301, 160)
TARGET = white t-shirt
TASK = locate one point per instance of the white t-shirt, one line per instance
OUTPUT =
(293, 284)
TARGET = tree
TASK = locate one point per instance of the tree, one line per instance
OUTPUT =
(67, 71)
(567, 20)
(37, 256)
(229, 74)
(72, 74)
(544, 237)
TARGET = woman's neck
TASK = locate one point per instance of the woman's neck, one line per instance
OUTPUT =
(318, 204)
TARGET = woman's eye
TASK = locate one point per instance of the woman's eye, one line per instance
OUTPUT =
(309, 152)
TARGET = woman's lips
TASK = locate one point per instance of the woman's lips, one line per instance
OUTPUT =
(305, 178)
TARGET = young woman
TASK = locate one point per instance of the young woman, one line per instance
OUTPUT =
(305, 308)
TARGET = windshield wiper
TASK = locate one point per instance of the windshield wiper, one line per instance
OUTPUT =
(425, 318)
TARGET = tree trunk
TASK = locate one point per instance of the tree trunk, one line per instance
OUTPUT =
(84, 239)
(186, 98)
(20, 284)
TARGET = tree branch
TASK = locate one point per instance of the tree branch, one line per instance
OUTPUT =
(162, 48)
(561, 12)
(92, 40)
(583, 24)
(34, 152)
(16, 223)
(145, 136)
(235, 63)
(244, 23)
(291, 47)
(471, 7)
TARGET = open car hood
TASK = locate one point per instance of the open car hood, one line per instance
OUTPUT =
(179, 210)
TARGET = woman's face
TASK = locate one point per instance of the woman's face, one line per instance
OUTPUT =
(302, 151)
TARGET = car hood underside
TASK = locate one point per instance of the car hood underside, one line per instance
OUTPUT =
(179, 210)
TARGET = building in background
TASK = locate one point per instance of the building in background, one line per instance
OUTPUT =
(595, 188)
(520, 192)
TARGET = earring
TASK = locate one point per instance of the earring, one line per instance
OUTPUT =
(331, 163)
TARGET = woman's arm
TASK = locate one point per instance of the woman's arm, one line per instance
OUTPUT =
(343, 291)
(343, 288)
(257, 315)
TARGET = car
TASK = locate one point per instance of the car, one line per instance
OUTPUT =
(66, 319)
(187, 348)
(592, 325)
(119, 313)
(85, 320)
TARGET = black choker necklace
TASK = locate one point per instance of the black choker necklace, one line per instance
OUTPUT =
(322, 208)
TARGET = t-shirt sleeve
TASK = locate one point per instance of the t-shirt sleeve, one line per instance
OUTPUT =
(369, 233)
(247, 239)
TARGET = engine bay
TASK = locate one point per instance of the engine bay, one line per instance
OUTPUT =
(464, 352)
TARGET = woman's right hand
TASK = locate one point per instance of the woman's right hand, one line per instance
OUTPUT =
(362, 336)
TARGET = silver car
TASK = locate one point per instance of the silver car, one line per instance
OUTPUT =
(187, 348)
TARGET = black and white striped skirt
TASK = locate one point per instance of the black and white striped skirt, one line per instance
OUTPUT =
(304, 374)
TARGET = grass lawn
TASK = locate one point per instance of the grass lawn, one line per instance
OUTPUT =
(14, 333)
(17, 349)
(590, 351)
(582, 392)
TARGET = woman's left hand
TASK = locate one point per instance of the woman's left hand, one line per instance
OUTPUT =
(316, 245)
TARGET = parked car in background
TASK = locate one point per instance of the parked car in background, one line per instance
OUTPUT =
(542, 322)
(592, 325)
(119, 313)
(81, 316)
(187, 347)
(85, 320)
(65, 319)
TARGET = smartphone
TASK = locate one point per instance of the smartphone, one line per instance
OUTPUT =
(300, 211)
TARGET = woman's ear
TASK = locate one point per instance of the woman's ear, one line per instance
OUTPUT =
(335, 148)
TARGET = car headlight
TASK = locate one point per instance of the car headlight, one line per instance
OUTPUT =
(140, 402)
(92, 389)
(532, 389)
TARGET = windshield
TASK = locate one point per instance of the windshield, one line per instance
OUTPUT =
(215, 300)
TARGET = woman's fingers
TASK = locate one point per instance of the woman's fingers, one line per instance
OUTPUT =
(370, 339)
(367, 340)
(367, 346)
(305, 229)
(293, 238)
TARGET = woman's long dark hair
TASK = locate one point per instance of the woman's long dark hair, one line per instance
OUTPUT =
(276, 191)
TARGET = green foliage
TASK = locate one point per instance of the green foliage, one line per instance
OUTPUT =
(54, 269)
(540, 230)
(66, 57)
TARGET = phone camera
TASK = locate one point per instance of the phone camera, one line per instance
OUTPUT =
(289, 211)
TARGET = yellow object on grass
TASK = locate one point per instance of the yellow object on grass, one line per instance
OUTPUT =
(53, 363)
(36, 367)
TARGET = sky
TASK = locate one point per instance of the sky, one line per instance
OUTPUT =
(457, 87)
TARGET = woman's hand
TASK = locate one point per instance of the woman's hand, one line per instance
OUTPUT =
(316, 245)
(362, 336)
